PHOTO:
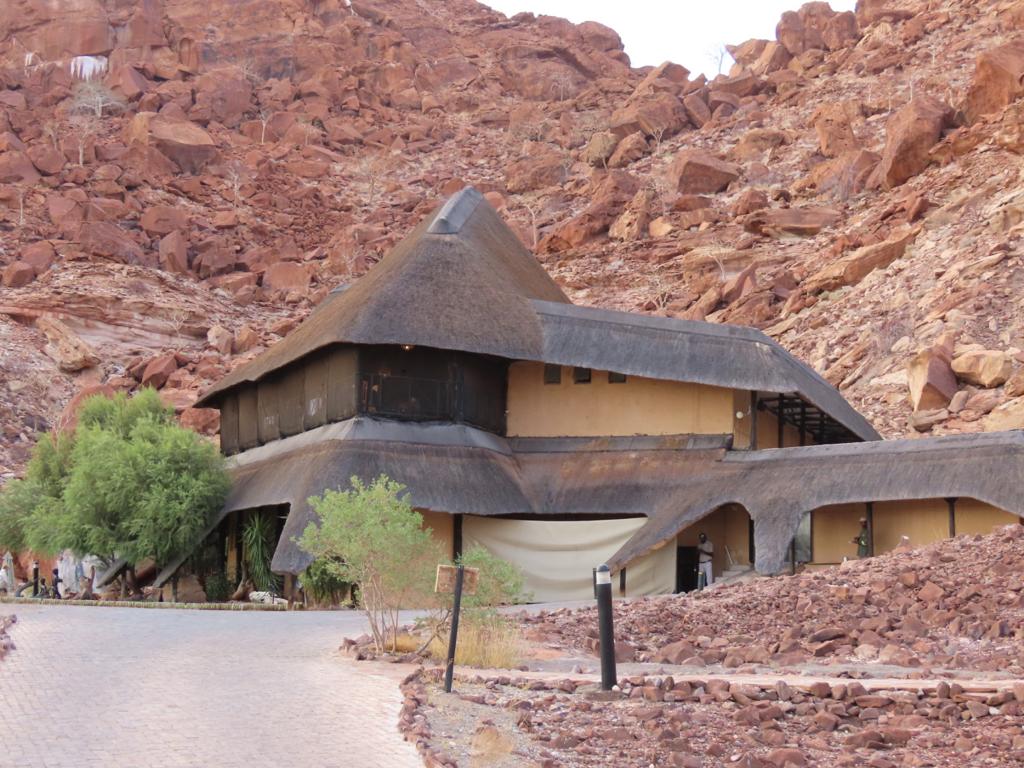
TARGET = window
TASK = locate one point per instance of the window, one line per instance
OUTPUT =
(581, 375)
(552, 374)
(616, 378)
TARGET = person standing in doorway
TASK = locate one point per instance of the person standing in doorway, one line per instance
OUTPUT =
(861, 539)
(705, 555)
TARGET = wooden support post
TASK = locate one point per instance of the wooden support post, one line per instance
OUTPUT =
(803, 423)
(951, 503)
(781, 424)
(456, 537)
(622, 582)
(753, 421)
(869, 513)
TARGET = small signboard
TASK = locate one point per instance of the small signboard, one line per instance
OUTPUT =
(445, 581)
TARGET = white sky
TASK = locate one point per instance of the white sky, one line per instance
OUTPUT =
(688, 32)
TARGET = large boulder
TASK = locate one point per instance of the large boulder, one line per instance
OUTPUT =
(660, 116)
(695, 172)
(930, 378)
(608, 194)
(983, 367)
(64, 346)
(834, 129)
(108, 240)
(853, 267)
(174, 253)
(163, 219)
(542, 167)
(816, 26)
(184, 142)
(18, 274)
(17, 168)
(909, 135)
(287, 276)
(222, 97)
(997, 80)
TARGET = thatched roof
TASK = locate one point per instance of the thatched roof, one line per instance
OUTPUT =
(673, 480)
(778, 486)
(462, 280)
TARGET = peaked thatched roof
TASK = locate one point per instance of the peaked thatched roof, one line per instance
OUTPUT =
(462, 280)
(673, 480)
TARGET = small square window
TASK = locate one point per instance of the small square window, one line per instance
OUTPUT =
(581, 375)
(552, 374)
(616, 378)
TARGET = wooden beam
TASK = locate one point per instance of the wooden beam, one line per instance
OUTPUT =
(754, 406)
(456, 537)
(869, 513)
(951, 503)
(780, 422)
(803, 423)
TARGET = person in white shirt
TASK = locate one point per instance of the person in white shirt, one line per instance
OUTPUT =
(705, 553)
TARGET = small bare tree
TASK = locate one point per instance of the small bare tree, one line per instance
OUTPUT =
(84, 126)
(95, 98)
(532, 210)
(264, 118)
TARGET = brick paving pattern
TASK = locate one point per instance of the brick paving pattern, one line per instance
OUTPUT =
(131, 688)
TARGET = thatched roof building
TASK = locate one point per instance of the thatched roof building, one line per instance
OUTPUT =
(457, 367)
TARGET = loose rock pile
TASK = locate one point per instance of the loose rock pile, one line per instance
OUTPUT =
(956, 604)
(713, 722)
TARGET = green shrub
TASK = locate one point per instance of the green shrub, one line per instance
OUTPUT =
(259, 537)
(323, 585)
(128, 482)
(371, 536)
(218, 588)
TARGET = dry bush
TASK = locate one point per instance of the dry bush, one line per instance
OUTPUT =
(486, 642)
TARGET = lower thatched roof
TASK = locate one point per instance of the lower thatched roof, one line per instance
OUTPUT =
(673, 480)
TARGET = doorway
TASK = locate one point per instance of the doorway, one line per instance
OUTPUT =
(686, 569)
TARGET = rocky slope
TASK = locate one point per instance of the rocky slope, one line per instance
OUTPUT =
(182, 182)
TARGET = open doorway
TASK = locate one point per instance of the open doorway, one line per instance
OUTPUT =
(730, 531)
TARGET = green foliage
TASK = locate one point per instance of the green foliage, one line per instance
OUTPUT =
(16, 501)
(371, 536)
(218, 588)
(500, 582)
(127, 482)
(259, 536)
(323, 585)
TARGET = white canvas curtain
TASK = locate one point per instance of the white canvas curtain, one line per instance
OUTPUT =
(557, 558)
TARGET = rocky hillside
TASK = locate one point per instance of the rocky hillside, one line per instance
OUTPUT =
(182, 182)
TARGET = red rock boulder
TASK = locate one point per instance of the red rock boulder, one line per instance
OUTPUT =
(909, 135)
(188, 145)
(695, 172)
(997, 80)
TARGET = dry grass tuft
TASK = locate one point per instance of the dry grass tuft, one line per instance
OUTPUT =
(491, 642)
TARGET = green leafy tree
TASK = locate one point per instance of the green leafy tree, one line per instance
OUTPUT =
(16, 502)
(371, 536)
(128, 482)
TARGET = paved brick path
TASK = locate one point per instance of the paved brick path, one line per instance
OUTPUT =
(131, 688)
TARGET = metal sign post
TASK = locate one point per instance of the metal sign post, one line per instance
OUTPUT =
(606, 628)
(456, 579)
(449, 668)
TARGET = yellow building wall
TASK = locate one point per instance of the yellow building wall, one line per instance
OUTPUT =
(973, 516)
(637, 407)
(442, 525)
(728, 528)
(923, 521)
(833, 529)
(768, 433)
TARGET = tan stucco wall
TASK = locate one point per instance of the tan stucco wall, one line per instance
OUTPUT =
(768, 433)
(638, 407)
(973, 516)
(923, 521)
(832, 531)
(442, 526)
(727, 528)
